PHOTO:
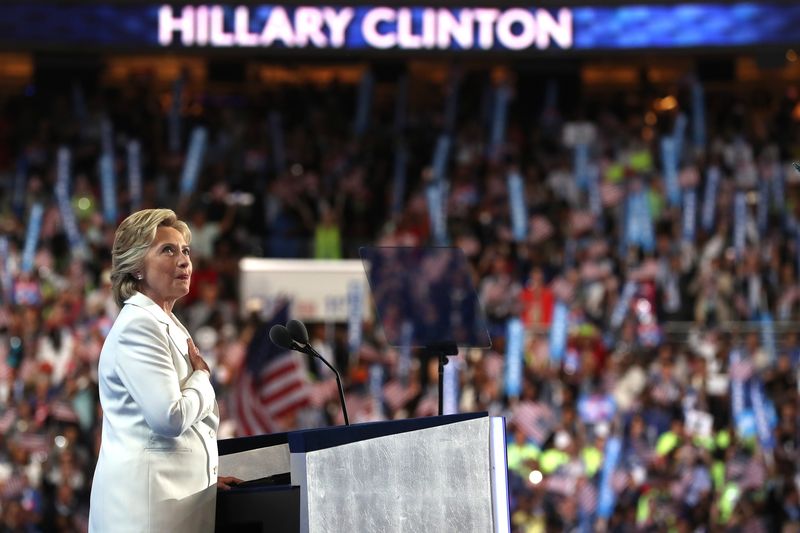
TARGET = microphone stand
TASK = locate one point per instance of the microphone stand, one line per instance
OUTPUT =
(309, 350)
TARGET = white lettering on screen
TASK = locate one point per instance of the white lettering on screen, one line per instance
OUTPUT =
(559, 31)
(451, 27)
(308, 21)
(369, 27)
(277, 28)
(242, 28)
(337, 23)
(508, 37)
(486, 18)
(168, 24)
(201, 32)
(219, 37)
(380, 27)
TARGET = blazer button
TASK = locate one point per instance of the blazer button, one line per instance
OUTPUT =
(215, 470)
(211, 433)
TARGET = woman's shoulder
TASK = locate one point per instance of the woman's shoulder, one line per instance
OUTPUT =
(132, 311)
(133, 318)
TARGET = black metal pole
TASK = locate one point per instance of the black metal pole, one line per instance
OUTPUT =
(442, 362)
(338, 382)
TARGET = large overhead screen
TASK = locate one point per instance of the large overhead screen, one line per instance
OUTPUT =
(363, 28)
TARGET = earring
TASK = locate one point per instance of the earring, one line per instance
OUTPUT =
(139, 277)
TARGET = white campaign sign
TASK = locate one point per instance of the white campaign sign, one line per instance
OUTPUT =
(317, 289)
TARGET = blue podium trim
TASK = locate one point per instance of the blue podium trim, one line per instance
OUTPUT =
(235, 491)
(243, 444)
(310, 440)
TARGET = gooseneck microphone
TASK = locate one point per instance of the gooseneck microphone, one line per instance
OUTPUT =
(294, 336)
(298, 331)
(280, 336)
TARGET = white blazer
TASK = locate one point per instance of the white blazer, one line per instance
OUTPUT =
(157, 469)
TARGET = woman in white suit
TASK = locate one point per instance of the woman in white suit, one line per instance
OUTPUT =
(157, 469)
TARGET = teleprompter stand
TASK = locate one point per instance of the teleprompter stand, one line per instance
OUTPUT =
(441, 351)
(425, 299)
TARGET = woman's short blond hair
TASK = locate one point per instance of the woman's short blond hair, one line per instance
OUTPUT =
(131, 241)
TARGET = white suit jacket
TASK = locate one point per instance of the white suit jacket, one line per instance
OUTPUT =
(157, 468)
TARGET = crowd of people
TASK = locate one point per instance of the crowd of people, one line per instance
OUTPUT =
(667, 403)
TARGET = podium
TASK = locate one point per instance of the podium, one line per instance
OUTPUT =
(444, 473)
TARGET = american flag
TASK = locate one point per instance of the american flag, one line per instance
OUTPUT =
(735, 467)
(581, 221)
(611, 194)
(360, 408)
(536, 420)
(324, 391)
(6, 370)
(560, 483)
(742, 369)
(62, 411)
(41, 413)
(587, 498)
(620, 481)
(7, 420)
(541, 229)
(398, 395)
(14, 486)
(428, 405)
(754, 475)
(273, 384)
(33, 442)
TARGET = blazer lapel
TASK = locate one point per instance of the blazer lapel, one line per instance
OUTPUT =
(175, 331)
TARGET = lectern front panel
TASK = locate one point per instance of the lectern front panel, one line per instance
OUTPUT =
(434, 479)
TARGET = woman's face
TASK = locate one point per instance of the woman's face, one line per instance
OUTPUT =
(167, 267)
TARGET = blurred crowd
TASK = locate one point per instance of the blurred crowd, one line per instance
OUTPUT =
(668, 404)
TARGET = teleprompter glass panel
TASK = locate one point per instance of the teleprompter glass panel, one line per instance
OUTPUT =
(424, 296)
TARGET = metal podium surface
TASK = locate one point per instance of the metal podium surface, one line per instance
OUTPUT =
(446, 473)
(433, 479)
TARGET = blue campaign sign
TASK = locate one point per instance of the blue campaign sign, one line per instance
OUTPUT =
(514, 351)
(430, 28)
(669, 160)
(607, 497)
(32, 231)
(519, 212)
(746, 424)
(594, 408)
(355, 295)
(763, 414)
(194, 160)
(558, 333)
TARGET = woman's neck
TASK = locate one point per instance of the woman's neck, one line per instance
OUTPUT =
(166, 305)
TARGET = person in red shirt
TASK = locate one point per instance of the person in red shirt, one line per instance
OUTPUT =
(536, 300)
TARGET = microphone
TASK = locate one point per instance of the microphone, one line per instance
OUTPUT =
(280, 336)
(298, 331)
(294, 336)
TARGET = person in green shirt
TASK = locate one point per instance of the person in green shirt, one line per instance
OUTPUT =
(521, 452)
(592, 456)
(327, 236)
(672, 439)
